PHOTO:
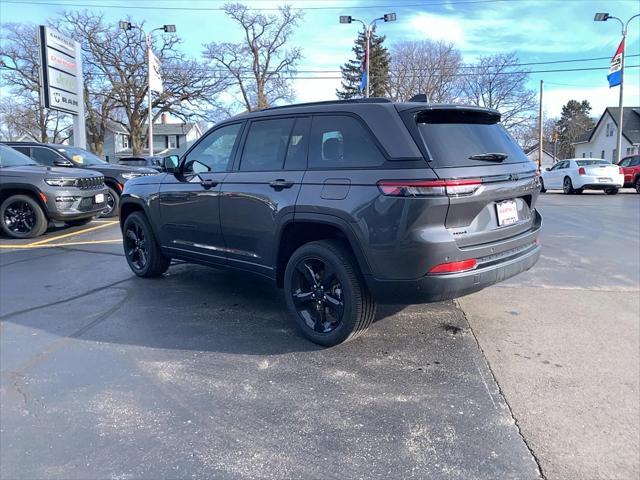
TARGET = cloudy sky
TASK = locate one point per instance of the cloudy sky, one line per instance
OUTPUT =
(537, 30)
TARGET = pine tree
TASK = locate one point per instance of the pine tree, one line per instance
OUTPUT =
(378, 69)
(574, 121)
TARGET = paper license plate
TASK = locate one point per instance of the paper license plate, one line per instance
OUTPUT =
(507, 212)
(604, 180)
(99, 198)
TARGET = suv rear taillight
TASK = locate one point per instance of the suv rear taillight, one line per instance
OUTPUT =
(454, 267)
(581, 171)
(620, 170)
(429, 188)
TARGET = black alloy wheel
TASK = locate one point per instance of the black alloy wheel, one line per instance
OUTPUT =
(326, 293)
(113, 201)
(135, 246)
(141, 249)
(22, 217)
(317, 295)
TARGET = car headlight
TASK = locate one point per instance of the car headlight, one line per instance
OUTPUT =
(61, 182)
(130, 175)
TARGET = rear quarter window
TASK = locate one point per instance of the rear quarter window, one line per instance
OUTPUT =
(340, 141)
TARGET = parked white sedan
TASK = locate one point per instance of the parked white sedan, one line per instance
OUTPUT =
(578, 174)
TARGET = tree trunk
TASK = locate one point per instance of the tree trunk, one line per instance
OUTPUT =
(135, 132)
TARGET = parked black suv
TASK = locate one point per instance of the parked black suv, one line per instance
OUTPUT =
(31, 195)
(345, 204)
(115, 176)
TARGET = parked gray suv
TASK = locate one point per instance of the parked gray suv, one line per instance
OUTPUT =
(344, 204)
(31, 195)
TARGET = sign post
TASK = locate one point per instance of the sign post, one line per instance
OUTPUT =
(61, 79)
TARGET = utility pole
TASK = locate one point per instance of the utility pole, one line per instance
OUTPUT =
(387, 17)
(603, 17)
(540, 129)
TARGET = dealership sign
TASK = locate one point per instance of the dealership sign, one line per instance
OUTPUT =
(60, 76)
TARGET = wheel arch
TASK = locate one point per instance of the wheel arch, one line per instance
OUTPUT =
(307, 228)
(24, 189)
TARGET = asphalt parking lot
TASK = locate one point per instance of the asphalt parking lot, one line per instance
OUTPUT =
(200, 374)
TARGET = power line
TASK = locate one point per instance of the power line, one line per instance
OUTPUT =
(217, 9)
(466, 74)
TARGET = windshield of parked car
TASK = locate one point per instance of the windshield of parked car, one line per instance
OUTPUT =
(586, 163)
(81, 156)
(12, 158)
(459, 138)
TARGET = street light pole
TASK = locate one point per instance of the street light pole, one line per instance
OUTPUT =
(149, 43)
(603, 17)
(387, 17)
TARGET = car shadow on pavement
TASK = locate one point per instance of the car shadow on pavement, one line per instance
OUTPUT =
(190, 308)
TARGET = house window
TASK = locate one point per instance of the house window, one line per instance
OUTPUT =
(125, 142)
(614, 155)
(583, 154)
(630, 151)
(590, 154)
(602, 155)
(610, 129)
(172, 141)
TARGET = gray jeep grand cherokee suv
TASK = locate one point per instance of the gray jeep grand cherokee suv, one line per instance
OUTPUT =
(31, 195)
(345, 204)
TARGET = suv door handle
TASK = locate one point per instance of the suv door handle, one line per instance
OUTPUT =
(208, 183)
(280, 184)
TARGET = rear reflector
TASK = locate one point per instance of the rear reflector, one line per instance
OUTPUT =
(454, 267)
(581, 171)
(429, 188)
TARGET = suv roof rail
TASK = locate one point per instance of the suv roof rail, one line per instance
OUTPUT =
(331, 102)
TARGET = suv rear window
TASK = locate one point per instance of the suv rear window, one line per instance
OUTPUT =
(452, 136)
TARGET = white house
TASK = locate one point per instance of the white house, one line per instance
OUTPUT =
(601, 141)
(548, 159)
(166, 136)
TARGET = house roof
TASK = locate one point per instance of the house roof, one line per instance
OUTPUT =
(630, 124)
(547, 147)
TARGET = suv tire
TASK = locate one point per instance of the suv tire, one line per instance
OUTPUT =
(22, 217)
(141, 248)
(542, 188)
(637, 185)
(326, 293)
(113, 202)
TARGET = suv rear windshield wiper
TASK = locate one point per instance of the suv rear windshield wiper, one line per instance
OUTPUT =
(489, 157)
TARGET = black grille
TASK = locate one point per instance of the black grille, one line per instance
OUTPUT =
(90, 183)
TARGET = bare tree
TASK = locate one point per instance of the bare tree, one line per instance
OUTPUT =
(116, 68)
(260, 64)
(427, 67)
(20, 62)
(497, 82)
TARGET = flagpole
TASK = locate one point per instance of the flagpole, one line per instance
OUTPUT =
(620, 101)
(150, 128)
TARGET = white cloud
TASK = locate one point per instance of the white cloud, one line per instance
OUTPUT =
(438, 27)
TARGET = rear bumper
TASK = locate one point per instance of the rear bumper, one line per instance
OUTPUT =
(593, 183)
(435, 288)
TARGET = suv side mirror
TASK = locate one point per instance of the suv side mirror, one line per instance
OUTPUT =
(62, 162)
(170, 163)
(547, 169)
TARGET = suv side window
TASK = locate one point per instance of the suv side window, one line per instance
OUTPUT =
(44, 156)
(213, 153)
(266, 144)
(24, 150)
(340, 141)
(626, 162)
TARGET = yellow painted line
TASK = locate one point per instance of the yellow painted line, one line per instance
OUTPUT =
(78, 232)
(68, 244)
